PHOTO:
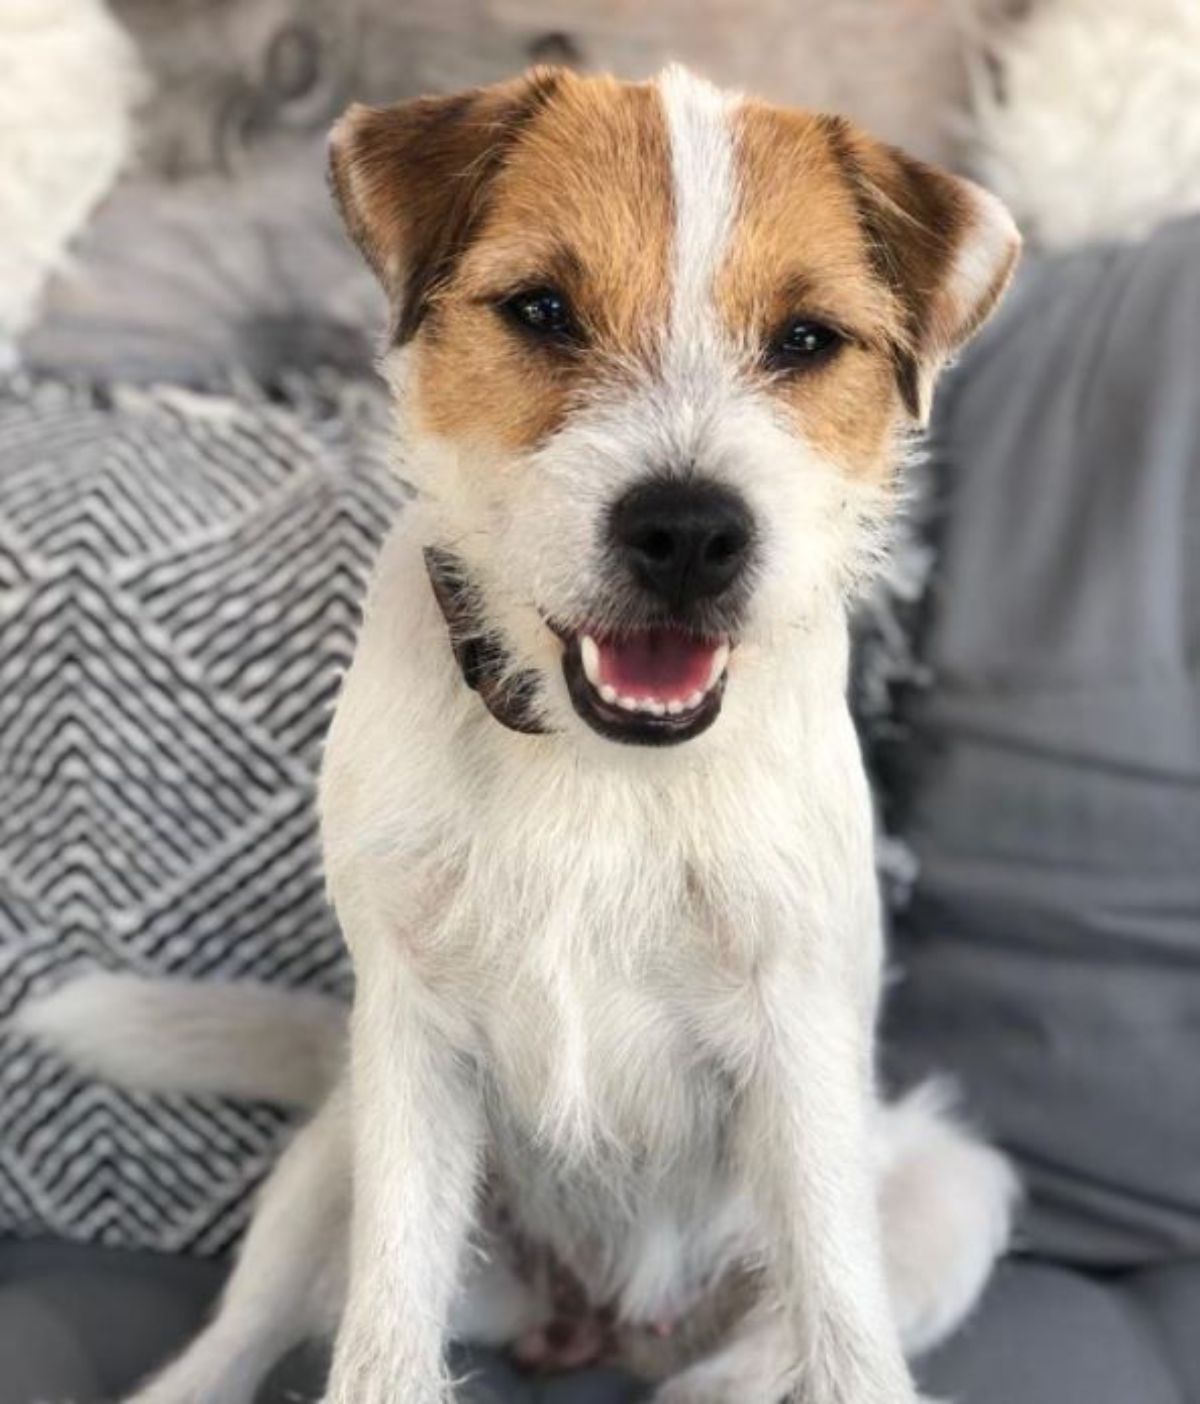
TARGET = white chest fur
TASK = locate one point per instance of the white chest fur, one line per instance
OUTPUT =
(595, 921)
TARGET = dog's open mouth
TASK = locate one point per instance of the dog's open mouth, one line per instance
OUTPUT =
(653, 686)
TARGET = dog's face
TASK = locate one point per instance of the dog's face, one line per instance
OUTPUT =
(657, 349)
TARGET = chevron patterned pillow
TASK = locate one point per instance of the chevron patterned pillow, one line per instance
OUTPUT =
(179, 584)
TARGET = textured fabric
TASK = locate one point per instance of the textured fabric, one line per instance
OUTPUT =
(179, 583)
(1051, 957)
(86, 1324)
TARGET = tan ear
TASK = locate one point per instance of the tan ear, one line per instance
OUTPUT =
(945, 246)
(412, 181)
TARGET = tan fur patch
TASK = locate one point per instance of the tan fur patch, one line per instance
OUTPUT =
(582, 203)
(838, 227)
(799, 249)
(917, 220)
(554, 180)
(412, 181)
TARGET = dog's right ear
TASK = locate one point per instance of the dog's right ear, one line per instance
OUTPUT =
(412, 181)
(944, 246)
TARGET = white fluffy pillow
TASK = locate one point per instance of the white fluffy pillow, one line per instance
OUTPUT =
(1092, 130)
(72, 80)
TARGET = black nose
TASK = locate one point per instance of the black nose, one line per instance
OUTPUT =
(683, 540)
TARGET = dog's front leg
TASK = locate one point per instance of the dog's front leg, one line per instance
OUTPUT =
(807, 1154)
(416, 1148)
(822, 1331)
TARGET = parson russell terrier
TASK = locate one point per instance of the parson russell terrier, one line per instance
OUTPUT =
(595, 820)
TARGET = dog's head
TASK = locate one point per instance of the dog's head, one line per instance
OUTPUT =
(656, 350)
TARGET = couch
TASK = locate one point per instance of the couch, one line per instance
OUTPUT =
(190, 490)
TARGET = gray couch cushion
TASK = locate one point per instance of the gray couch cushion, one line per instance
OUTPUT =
(80, 1325)
(1051, 956)
(85, 1325)
(1046, 1335)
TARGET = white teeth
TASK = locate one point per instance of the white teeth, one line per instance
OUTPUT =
(589, 652)
(719, 664)
(633, 704)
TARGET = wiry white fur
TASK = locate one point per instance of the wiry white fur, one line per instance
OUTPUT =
(704, 182)
(635, 988)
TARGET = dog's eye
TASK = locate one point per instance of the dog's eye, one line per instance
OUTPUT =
(803, 343)
(543, 311)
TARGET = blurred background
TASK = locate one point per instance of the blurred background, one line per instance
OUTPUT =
(140, 129)
(194, 479)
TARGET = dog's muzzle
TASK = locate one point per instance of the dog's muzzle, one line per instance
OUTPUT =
(681, 549)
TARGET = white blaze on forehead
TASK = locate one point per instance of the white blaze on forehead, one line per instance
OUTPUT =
(704, 177)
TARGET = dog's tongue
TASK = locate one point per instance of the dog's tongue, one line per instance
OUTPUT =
(661, 664)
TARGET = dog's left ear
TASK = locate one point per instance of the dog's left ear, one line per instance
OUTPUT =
(945, 246)
(412, 180)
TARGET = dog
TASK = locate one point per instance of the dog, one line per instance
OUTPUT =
(594, 814)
